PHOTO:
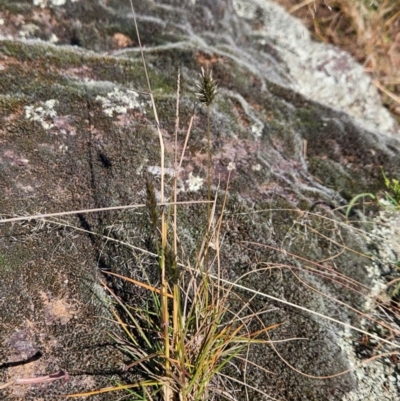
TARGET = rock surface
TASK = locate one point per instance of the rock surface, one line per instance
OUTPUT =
(299, 122)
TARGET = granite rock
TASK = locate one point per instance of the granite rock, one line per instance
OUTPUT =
(296, 125)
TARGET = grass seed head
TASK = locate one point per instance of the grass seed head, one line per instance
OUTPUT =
(207, 87)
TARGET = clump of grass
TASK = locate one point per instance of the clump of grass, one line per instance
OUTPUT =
(185, 335)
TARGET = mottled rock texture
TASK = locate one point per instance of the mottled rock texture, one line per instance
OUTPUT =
(299, 121)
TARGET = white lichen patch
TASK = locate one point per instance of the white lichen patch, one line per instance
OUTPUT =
(42, 113)
(156, 170)
(53, 38)
(63, 149)
(194, 183)
(119, 102)
(257, 129)
(47, 3)
(231, 166)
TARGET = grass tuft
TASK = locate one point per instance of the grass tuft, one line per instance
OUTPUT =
(181, 340)
(203, 336)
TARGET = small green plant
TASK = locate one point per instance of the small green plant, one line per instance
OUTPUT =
(392, 195)
(388, 198)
